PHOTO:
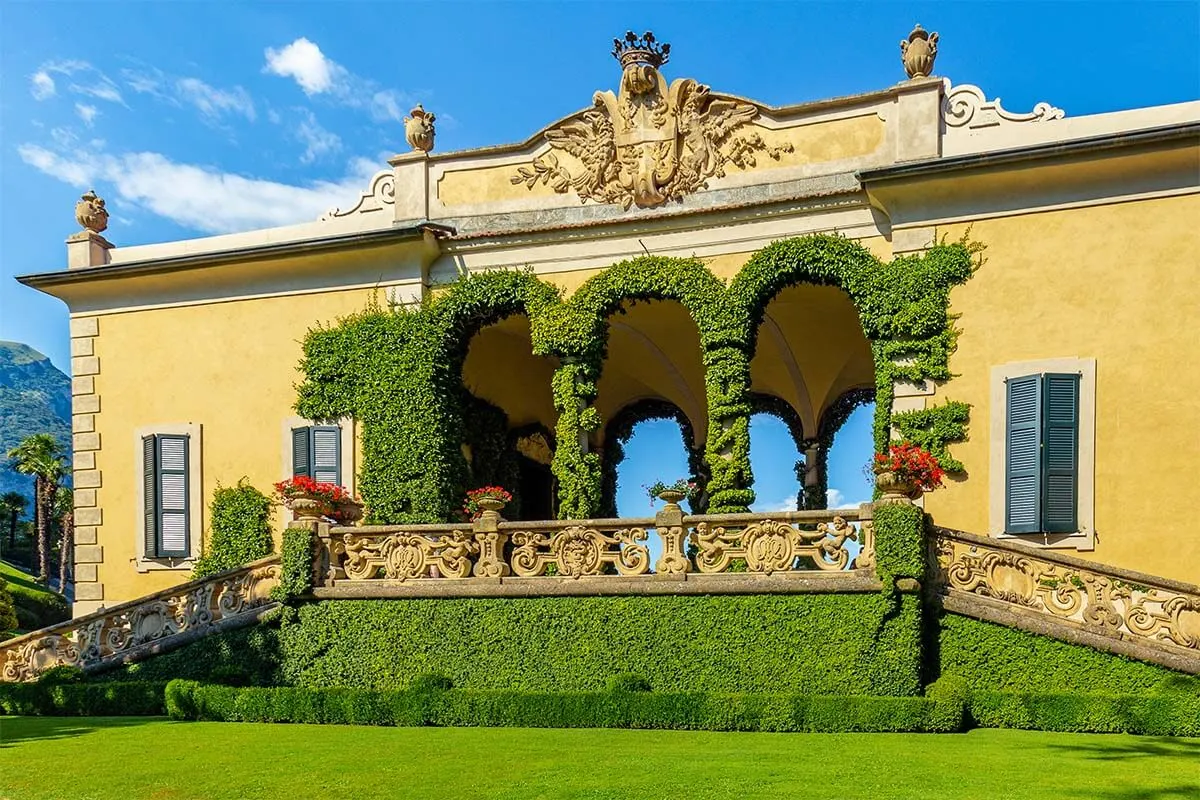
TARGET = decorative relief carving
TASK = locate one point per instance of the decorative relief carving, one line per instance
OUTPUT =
(1089, 597)
(649, 143)
(577, 551)
(769, 546)
(403, 556)
(108, 635)
(967, 106)
(90, 212)
(381, 193)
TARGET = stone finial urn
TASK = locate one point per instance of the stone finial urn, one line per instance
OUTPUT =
(418, 129)
(919, 52)
(493, 504)
(895, 490)
(672, 496)
(90, 212)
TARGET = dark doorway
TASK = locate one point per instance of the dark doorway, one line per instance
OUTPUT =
(537, 489)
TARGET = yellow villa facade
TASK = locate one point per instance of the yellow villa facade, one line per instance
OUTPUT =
(1091, 233)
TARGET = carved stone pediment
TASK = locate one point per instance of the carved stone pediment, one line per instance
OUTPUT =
(649, 143)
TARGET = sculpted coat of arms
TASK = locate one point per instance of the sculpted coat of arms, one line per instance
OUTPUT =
(649, 143)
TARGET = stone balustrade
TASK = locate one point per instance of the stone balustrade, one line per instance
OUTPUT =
(155, 623)
(790, 551)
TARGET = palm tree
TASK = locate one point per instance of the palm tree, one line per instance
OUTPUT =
(12, 507)
(64, 510)
(40, 455)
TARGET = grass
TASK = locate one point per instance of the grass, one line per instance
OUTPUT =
(132, 758)
(36, 605)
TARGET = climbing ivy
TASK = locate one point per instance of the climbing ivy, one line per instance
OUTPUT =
(241, 529)
(399, 371)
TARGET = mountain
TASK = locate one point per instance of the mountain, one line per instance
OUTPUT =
(35, 397)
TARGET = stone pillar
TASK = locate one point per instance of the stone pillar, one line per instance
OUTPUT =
(669, 524)
(88, 479)
(412, 186)
(491, 562)
(87, 249)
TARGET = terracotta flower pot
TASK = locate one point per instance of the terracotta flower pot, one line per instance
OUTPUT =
(895, 489)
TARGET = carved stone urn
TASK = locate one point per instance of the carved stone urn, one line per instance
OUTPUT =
(672, 496)
(419, 129)
(492, 504)
(90, 212)
(349, 511)
(307, 508)
(894, 489)
(919, 52)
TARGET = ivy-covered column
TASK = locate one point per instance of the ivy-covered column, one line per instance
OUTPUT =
(577, 470)
(727, 451)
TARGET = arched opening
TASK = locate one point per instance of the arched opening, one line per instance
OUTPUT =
(811, 353)
(777, 463)
(508, 416)
(653, 370)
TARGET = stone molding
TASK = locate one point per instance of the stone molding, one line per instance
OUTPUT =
(88, 478)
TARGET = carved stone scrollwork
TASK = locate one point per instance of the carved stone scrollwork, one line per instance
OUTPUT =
(106, 635)
(966, 106)
(380, 194)
(769, 546)
(404, 556)
(649, 143)
(1087, 596)
(577, 551)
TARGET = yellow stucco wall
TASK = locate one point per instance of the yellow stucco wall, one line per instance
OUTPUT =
(230, 367)
(1117, 283)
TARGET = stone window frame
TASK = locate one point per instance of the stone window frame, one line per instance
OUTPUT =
(194, 432)
(1085, 537)
(349, 460)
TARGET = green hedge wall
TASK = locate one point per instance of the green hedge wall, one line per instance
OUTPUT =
(240, 521)
(998, 659)
(142, 698)
(806, 644)
(1167, 714)
(604, 709)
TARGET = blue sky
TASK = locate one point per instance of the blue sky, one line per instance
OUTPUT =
(200, 118)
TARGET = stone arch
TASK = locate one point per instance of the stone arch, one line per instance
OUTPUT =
(620, 427)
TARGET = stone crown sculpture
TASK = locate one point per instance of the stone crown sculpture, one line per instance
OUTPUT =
(419, 130)
(645, 50)
(919, 52)
(91, 213)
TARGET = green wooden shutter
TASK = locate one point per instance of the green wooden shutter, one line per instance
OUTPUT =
(1060, 453)
(327, 454)
(173, 525)
(301, 451)
(150, 495)
(1023, 457)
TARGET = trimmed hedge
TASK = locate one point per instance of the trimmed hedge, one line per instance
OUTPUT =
(842, 644)
(994, 658)
(240, 520)
(1166, 714)
(252, 653)
(619, 709)
(143, 698)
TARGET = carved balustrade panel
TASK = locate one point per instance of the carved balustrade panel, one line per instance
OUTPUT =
(578, 550)
(770, 545)
(402, 555)
(1107, 600)
(111, 634)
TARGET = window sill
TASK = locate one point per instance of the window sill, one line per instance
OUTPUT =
(1082, 540)
(164, 564)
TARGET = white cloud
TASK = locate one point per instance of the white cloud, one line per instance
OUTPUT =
(89, 81)
(786, 504)
(318, 141)
(835, 498)
(317, 74)
(41, 85)
(199, 197)
(145, 82)
(213, 102)
(86, 113)
(304, 61)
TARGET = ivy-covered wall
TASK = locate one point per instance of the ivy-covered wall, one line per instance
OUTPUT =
(399, 372)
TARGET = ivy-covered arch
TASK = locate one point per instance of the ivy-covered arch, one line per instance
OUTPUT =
(617, 432)
(399, 372)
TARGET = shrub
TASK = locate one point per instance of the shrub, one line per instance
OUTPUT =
(628, 682)
(252, 651)
(61, 674)
(82, 699)
(8, 614)
(431, 682)
(1168, 714)
(241, 529)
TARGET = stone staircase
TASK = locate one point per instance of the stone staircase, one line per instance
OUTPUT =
(144, 627)
(1121, 611)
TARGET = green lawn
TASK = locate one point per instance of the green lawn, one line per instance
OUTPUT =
(36, 605)
(130, 758)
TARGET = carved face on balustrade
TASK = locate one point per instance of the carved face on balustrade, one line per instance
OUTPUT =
(649, 143)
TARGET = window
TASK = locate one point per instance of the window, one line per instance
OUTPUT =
(317, 452)
(1043, 452)
(165, 496)
(1042, 469)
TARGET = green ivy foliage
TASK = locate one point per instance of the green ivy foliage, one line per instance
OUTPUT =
(995, 658)
(399, 372)
(934, 428)
(141, 698)
(1166, 714)
(812, 644)
(252, 651)
(295, 565)
(899, 542)
(241, 529)
(8, 614)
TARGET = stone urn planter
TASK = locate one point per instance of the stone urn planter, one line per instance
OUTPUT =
(672, 496)
(349, 512)
(895, 490)
(492, 504)
(307, 508)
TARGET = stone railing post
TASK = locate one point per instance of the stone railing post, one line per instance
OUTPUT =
(669, 524)
(491, 541)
